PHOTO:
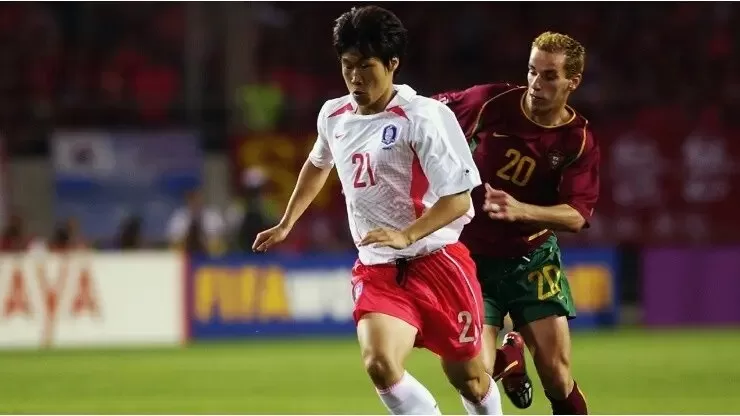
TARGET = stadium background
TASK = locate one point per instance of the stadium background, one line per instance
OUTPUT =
(111, 113)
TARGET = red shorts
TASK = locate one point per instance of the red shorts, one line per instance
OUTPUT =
(441, 297)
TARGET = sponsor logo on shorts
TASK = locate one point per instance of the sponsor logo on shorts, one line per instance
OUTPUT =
(356, 291)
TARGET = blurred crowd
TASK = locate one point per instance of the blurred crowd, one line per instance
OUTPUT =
(124, 65)
(71, 64)
(74, 64)
(642, 56)
(195, 227)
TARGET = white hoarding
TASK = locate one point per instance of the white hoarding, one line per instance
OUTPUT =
(91, 299)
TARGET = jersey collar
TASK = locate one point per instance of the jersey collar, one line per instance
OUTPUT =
(404, 95)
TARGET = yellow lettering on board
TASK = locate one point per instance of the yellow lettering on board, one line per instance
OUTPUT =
(204, 293)
(247, 291)
(273, 299)
(232, 306)
(591, 286)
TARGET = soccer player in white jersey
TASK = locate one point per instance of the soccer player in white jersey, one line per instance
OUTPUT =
(407, 173)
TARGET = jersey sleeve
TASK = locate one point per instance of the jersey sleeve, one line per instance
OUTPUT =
(579, 187)
(466, 104)
(321, 155)
(443, 152)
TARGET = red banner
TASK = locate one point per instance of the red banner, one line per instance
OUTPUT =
(665, 178)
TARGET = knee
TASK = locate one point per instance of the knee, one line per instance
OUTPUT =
(556, 376)
(383, 370)
(473, 388)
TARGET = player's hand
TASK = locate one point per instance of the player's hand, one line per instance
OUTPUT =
(384, 237)
(270, 237)
(501, 206)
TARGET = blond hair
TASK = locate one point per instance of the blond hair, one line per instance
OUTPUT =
(575, 53)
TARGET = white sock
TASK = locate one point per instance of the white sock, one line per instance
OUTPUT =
(409, 397)
(490, 405)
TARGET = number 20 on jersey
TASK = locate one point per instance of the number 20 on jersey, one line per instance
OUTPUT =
(518, 170)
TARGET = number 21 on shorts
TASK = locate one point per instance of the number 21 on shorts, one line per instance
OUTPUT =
(363, 170)
(467, 334)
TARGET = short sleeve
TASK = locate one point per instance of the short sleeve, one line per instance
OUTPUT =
(321, 155)
(443, 152)
(466, 104)
(579, 187)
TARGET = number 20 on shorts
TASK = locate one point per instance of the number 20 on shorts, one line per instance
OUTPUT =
(547, 276)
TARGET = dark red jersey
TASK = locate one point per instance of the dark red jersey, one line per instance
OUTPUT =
(535, 164)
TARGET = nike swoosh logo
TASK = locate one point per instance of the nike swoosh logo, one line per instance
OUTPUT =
(339, 136)
(499, 135)
(506, 370)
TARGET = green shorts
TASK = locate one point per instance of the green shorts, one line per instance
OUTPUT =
(528, 288)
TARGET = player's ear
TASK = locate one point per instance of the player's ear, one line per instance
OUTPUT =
(575, 82)
(394, 64)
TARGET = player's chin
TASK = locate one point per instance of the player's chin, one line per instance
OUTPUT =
(540, 105)
(362, 98)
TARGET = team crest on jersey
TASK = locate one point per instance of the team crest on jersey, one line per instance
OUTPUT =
(556, 158)
(390, 133)
(356, 291)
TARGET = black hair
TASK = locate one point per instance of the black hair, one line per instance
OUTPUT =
(374, 31)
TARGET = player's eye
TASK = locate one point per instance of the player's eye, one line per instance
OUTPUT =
(532, 72)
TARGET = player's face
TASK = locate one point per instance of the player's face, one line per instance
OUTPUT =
(367, 79)
(548, 84)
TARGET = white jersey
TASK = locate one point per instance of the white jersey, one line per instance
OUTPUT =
(394, 165)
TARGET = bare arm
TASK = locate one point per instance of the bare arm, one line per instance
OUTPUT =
(561, 217)
(311, 180)
(446, 210)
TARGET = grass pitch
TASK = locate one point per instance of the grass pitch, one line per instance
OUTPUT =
(621, 372)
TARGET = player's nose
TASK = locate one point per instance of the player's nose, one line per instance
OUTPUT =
(355, 78)
(536, 85)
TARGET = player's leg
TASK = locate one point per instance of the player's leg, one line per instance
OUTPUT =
(549, 342)
(478, 390)
(387, 327)
(489, 352)
(385, 342)
(488, 274)
(507, 362)
(541, 309)
(451, 303)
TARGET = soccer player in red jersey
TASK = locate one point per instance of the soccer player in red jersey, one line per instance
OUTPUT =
(540, 164)
(406, 173)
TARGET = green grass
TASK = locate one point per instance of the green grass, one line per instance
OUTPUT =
(623, 372)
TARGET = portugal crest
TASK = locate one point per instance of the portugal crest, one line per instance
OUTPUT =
(556, 159)
(390, 133)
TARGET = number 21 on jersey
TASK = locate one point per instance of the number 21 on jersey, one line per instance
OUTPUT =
(364, 175)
